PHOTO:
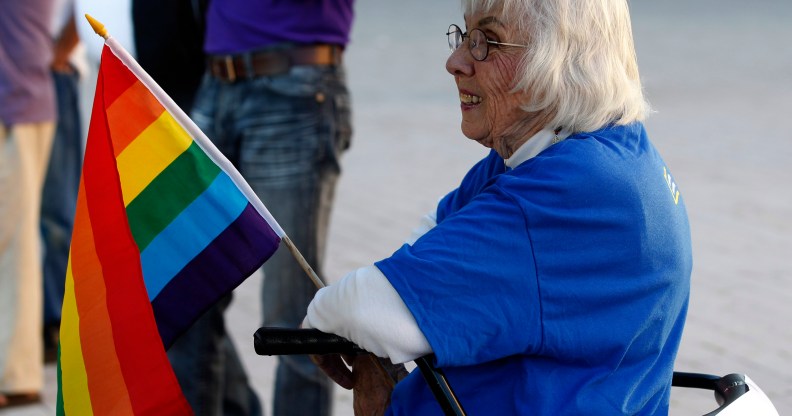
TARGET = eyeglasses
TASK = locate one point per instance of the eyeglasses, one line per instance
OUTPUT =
(478, 45)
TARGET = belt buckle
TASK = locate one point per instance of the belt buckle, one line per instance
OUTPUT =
(228, 60)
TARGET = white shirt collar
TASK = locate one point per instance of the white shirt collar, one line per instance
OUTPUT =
(533, 146)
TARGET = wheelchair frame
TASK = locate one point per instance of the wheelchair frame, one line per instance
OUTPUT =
(736, 394)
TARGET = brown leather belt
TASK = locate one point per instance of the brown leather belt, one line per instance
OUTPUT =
(231, 68)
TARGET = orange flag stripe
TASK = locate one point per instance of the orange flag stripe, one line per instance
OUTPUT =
(131, 113)
(106, 384)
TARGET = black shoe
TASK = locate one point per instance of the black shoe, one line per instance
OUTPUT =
(18, 399)
(51, 340)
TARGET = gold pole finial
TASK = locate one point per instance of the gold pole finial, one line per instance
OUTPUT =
(97, 26)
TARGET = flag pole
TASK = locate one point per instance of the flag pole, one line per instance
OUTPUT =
(207, 146)
(302, 262)
(204, 143)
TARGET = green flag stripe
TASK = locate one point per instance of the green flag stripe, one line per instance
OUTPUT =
(169, 194)
(59, 411)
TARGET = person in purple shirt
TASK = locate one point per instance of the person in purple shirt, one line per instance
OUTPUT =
(274, 100)
(27, 125)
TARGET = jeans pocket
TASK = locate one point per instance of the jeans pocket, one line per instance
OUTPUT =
(343, 112)
(337, 117)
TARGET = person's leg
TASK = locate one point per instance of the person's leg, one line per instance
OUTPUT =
(209, 370)
(198, 359)
(24, 152)
(204, 358)
(300, 388)
(289, 157)
(197, 355)
(239, 399)
(59, 199)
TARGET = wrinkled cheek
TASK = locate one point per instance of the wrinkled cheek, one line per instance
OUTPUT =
(496, 112)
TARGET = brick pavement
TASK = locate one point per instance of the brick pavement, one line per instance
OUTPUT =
(718, 74)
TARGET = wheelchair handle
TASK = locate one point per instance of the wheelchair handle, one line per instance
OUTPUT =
(290, 341)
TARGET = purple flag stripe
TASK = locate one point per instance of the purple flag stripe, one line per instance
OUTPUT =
(196, 287)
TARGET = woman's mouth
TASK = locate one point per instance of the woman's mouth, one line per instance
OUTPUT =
(469, 99)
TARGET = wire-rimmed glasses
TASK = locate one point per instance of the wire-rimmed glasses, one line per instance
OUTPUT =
(478, 43)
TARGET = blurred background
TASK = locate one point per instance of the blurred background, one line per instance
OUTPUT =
(718, 74)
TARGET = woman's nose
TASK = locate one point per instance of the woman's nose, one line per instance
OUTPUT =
(460, 62)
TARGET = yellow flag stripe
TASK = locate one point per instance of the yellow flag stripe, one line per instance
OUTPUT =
(76, 399)
(149, 154)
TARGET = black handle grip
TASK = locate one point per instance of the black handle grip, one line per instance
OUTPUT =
(289, 341)
(727, 388)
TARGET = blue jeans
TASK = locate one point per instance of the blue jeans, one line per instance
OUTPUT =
(59, 196)
(209, 371)
(285, 134)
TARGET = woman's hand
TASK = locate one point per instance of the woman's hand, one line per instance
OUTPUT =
(373, 387)
(371, 379)
(335, 367)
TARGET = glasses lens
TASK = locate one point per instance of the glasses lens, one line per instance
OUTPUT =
(454, 37)
(478, 44)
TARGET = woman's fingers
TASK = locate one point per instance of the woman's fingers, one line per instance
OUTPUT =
(334, 367)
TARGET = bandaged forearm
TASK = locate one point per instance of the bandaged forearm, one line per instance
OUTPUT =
(364, 308)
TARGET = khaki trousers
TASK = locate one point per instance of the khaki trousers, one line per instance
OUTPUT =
(24, 153)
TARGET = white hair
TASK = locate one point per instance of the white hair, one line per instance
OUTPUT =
(580, 66)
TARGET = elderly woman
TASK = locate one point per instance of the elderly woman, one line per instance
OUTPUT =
(555, 279)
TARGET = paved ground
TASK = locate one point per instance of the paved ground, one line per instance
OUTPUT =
(719, 75)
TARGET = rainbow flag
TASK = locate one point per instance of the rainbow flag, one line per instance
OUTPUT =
(165, 226)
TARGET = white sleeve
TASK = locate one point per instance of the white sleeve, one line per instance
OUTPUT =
(364, 308)
(426, 223)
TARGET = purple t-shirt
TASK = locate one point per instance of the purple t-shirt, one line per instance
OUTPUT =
(236, 26)
(27, 94)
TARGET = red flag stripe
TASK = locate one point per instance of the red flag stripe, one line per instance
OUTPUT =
(117, 78)
(151, 384)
